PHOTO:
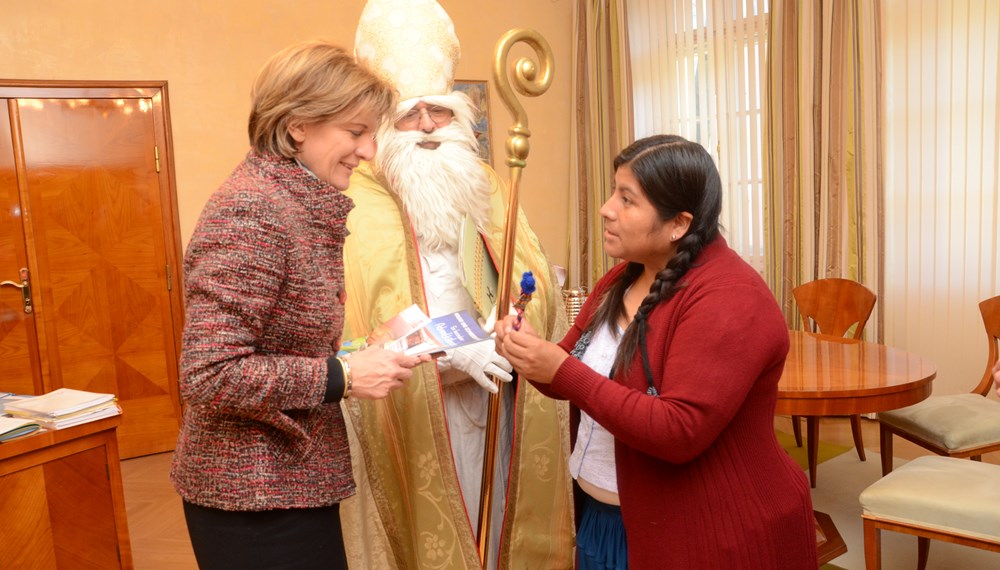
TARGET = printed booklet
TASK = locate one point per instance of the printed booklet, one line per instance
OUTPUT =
(413, 333)
(11, 428)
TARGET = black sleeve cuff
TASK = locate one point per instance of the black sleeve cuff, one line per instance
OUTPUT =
(334, 381)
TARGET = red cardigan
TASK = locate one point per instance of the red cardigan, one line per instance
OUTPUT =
(702, 479)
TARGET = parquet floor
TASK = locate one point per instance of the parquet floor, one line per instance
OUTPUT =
(159, 535)
(155, 517)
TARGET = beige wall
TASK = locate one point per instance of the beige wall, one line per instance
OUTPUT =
(209, 53)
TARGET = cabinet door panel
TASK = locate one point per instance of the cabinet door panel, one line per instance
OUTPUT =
(97, 229)
(26, 518)
(82, 517)
(20, 367)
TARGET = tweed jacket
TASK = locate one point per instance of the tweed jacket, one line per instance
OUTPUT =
(702, 479)
(264, 309)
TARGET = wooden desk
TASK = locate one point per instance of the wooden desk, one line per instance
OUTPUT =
(831, 376)
(61, 500)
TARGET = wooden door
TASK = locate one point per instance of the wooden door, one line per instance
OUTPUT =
(98, 216)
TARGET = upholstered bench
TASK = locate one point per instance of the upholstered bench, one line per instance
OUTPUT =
(932, 497)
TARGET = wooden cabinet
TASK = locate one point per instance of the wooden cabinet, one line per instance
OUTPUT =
(61, 500)
(90, 250)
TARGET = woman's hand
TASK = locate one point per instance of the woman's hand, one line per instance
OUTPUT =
(531, 356)
(375, 371)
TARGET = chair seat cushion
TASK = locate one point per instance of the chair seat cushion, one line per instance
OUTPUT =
(944, 493)
(956, 423)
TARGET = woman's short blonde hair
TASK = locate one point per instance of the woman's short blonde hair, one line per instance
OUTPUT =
(311, 82)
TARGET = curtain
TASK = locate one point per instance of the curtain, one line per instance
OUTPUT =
(697, 69)
(603, 126)
(823, 164)
(942, 174)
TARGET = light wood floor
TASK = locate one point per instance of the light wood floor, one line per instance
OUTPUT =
(155, 516)
(159, 536)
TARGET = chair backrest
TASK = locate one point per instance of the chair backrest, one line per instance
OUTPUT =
(833, 305)
(990, 308)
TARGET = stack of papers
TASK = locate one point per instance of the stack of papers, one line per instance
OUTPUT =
(64, 407)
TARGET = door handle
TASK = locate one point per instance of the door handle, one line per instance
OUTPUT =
(24, 286)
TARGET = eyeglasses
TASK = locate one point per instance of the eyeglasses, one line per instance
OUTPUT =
(440, 116)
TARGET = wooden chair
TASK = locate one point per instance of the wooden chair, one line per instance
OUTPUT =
(940, 498)
(830, 307)
(957, 425)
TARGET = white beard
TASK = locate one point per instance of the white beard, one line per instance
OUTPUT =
(438, 187)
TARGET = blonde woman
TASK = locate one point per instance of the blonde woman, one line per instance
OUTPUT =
(262, 460)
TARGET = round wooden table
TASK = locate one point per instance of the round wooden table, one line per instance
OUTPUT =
(833, 376)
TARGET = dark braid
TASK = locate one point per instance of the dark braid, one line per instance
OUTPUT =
(676, 176)
(664, 287)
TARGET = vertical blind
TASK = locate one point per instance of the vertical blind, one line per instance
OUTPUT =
(942, 210)
(697, 71)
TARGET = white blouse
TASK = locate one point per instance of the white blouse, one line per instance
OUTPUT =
(593, 456)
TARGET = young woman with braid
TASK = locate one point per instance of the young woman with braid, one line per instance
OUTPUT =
(672, 369)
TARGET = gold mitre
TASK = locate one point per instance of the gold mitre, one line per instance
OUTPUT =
(410, 43)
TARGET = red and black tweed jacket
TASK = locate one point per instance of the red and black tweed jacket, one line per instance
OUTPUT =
(264, 310)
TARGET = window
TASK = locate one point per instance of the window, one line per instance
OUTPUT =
(697, 71)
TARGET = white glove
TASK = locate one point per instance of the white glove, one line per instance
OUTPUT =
(477, 360)
(492, 320)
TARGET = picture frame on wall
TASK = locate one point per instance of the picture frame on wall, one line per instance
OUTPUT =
(478, 92)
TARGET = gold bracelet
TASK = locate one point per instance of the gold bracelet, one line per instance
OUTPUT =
(348, 380)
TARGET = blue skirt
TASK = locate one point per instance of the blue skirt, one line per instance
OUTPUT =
(600, 540)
